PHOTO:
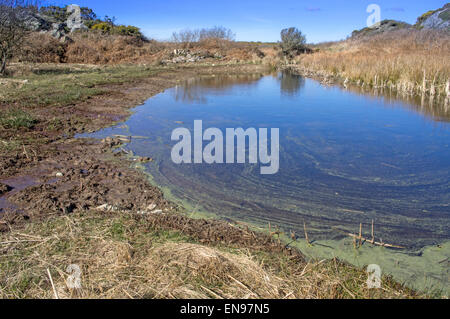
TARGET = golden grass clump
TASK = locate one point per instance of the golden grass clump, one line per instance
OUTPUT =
(227, 275)
(122, 255)
(408, 60)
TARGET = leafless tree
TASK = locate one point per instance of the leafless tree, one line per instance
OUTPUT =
(13, 14)
(186, 37)
(219, 33)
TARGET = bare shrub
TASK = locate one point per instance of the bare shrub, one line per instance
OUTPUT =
(215, 36)
(13, 29)
(217, 32)
(186, 37)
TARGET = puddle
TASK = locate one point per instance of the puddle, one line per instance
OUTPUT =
(17, 184)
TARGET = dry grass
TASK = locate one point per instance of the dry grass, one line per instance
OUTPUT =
(42, 48)
(95, 48)
(124, 256)
(100, 49)
(410, 61)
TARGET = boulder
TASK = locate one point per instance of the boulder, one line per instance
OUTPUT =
(36, 22)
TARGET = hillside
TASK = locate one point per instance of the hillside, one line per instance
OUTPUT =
(87, 203)
(385, 26)
(432, 20)
(435, 19)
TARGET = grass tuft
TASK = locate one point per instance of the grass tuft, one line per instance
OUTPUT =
(124, 256)
(16, 119)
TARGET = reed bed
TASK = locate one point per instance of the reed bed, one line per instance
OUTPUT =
(409, 60)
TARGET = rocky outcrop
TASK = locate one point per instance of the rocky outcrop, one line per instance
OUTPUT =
(385, 26)
(438, 19)
(432, 20)
(37, 22)
(186, 56)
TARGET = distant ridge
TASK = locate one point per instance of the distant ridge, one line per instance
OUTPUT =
(434, 19)
(385, 26)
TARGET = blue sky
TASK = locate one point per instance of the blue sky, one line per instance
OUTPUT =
(255, 20)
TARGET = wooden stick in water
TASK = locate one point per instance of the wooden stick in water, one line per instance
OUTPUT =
(377, 243)
(373, 232)
(360, 234)
(306, 234)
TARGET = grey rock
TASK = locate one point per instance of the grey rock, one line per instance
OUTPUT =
(385, 26)
(36, 22)
(439, 20)
(58, 30)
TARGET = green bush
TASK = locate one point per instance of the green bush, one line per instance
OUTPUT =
(103, 27)
(124, 30)
(292, 41)
(127, 30)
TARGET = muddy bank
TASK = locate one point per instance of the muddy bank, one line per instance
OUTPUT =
(48, 172)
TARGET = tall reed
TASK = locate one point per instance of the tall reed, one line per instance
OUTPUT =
(412, 61)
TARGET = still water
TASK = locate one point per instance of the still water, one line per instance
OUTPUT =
(345, 158)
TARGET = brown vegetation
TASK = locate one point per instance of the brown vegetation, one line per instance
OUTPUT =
(124, 255)
(100, 48)
(95, 48)
(411, 61)
(123, 252)
(42, 48)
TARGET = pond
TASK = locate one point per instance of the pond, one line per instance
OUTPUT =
(345, 157)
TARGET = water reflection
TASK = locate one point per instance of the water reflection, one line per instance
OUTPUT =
(345, 158)
(193, 90)
(290, 84)
(436, 108)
